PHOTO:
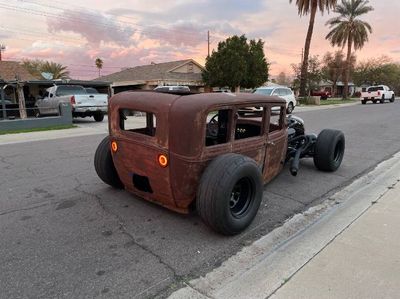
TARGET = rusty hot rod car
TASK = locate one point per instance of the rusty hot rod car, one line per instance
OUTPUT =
(187, 151)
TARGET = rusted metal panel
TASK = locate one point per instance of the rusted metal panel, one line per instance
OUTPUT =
(180, 135)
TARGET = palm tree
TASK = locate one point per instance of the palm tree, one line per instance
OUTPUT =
(346, 29)
(310, 7)
(58, 70)
(99, 64)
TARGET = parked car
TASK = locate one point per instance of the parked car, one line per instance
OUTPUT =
(194, 150)
(83, 103)
(376, 93)
(282, 92)
(324, 94)
(178, 88)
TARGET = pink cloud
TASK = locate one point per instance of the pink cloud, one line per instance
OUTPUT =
(93, 26)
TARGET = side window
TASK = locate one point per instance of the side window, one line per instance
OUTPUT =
(217, 127)
(275, 121)
(249, 122)
(138, 121)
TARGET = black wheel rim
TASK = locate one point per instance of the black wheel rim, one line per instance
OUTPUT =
(241, 197)
(338, 151)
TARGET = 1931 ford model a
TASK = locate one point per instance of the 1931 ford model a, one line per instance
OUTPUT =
(212, 151)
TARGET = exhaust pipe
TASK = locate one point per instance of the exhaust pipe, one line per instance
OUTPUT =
(294, 165)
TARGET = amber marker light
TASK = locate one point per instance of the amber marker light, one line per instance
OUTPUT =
(163, 160)
(114, 146)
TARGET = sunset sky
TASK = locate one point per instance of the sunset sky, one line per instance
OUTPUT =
(136, 32)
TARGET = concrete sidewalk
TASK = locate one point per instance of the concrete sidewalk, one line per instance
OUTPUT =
(362, 262)
(346, 247)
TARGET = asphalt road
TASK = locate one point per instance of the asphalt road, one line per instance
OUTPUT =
(66, 234)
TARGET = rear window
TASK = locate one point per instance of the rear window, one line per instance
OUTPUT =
(140, 122)
(91, 90)
(263, 91)
(70, 90)
(375, 88)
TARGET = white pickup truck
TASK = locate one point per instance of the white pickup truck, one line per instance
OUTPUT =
(376, 93)
(83, 103)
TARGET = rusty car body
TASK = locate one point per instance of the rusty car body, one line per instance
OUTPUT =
(187, 143)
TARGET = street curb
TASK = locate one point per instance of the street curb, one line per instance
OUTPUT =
(260, 269)
(323, 107)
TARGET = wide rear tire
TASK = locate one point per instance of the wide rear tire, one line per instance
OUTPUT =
(104, 165)
(229, 193)
(329, 150)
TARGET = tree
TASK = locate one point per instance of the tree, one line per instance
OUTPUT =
(310, 7)
(334, 66)
(37, 67)
(314, 74)
(282, 79)
(58, 70)
(236, 64)
(99, 64)
(381, 70)
(347, 29)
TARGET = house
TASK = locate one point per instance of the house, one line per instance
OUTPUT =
(21, 89)
(182, 72)
(328, 86)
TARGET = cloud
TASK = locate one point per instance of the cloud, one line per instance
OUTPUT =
(93, 26)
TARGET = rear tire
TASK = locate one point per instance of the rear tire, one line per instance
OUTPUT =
(98, 117)
(229, 193)
(363, 102)
(104, 165)
(374, 101)
(329, 150)
(383, 99)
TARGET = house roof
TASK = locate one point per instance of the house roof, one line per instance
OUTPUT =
(12, 70)
(154, 71)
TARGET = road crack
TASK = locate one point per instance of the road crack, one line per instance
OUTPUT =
(123, 229)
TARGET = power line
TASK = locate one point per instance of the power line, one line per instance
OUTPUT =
(145, 30)
(191, 32)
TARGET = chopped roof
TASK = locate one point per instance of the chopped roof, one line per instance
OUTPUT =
(155, 71)
(9, 70)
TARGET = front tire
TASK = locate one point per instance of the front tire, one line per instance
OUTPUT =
(36, 112)
(392, 99)
(229, 193)
(329, 150)
(98, 117)
(290, 108)
(104, 165)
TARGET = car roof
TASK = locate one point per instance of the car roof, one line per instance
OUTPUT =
(272, 87)
(187, 102)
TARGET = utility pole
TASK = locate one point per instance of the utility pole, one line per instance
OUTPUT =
(208, 43)
(2, 48)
